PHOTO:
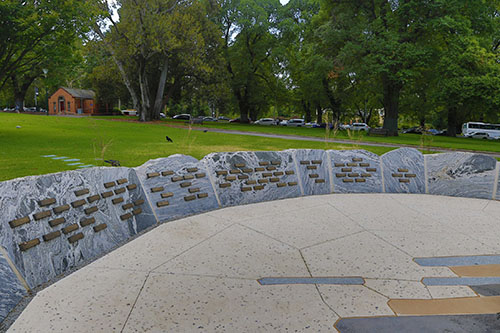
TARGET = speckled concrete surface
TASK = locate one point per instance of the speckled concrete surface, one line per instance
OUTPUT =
(200, 273)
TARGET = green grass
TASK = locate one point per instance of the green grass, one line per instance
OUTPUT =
(93, 139)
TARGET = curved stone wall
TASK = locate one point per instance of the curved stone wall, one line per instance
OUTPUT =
(52, 223)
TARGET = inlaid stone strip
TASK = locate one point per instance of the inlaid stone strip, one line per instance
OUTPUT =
(263, 181)
(75, 238)
(459, 261)
(271, 168)
(312, 167)
(338, 165)
(131, 187)
(371, 169)
(346, 170)
(186, 184)
(304, 162)
(477, 270)
(162, 203)
(93, 198)
(276, 162)
(188, 177)
(194, 190)
(319, 181)
(122, 181)
(397, 175)
(460, 281)
(267, 174)
(410, 175)
(364, 164)
(70, 228)
(221, 172)
(167, 173)
(292, 183)
(357, 159)
(56, 222)
(41, 215)
(224, 185)
(246, 189)
(236, 171)
(90, 210)
(109, 184)
(177, 178)
(402, 170)
(48, 201)
(355, 174)
(352, 164)
(78, 203)
(251, 182)
(167, 195)
(117, 200)
(157, 189)
(259, 169)
(153, 174)
(449, 306)
(137, 211)
(100, 227)
(278, 173)
(239, 165)
(360, 180)
(230, 178)
(127, 206)
(348, 180)
(269, 281)
(120, 190)
(274, 180)
(82, 192)
(404, 180)
(487, 289)
(18, 222)
(51, 235)
(281, 184)
(263, 163)
(86, 222)
(317, 162)
(243, 177)
(189, 198)
(340, 175)
(258, 187)
(202, 195)
(200, 175)
(126, 216)
(247, 170)
(107, 194)
(313, 175)
(29, 244)
(192, 169)
(366, 175)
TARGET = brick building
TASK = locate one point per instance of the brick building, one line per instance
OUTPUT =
(72, 101)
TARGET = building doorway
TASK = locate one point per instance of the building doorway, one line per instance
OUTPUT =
(61, 104)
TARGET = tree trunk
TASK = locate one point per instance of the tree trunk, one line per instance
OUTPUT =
(307, 111)
(145, 106)
(20, 88)
(334, 102)
(452, 122)
(160, 91)
(319, 114)
(243, 105)
(391, 91)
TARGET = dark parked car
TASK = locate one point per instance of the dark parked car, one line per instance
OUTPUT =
(183, 116)
(224, 118)
(237, 120)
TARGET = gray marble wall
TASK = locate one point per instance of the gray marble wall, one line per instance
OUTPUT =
(52, 223)
(313, 167)
(177, 186)
(403, 170)
(248, 177)
(11, 289)
(461, 174)
(355, 171)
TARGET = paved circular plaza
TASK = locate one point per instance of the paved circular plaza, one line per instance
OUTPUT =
(352, 262)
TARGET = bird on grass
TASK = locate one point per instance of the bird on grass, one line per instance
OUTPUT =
(113, 162)
(168, 139)
(205, 131)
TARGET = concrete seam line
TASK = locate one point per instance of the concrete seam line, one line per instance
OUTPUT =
(146, 195)
(14, 269)
(495, 182)
(209, 170)
(382, 173)
(330, 169)
(426, 176)
(297, 171)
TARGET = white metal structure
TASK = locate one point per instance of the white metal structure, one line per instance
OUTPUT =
(471, 128)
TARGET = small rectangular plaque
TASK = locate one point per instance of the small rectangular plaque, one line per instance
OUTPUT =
(122, 181)
(48, 202)
(188, 177)
(131, 187)
(29, 244)
(100, 227)
(177, 178)
(117, 200)
(70, 228)
(224, 185)
(189, 198)
(167, 173)
(137, 211)
(126, 216)
(202, 195)
(82, 192)
(120, 190)
(106, 194)
(78, 203)
(167, 195)
(138, 202)
(153, 174)
(290, 172)
(194, 190)
(75, 238)
(56, 222)
(162, 203)
(185, 184)
(86, 222)
(93, 198)
(18, 222)
(51, 235)
(109, 184)
(90, 210)
(41, 215)
(192, 169)
(157, 189)
(200, 175)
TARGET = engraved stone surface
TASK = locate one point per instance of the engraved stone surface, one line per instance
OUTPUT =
(46, 260)
(182, 167)
(410, 161)
(363, 174)
(461, 175)
(11, 290)
(231, 194)
(312, 166)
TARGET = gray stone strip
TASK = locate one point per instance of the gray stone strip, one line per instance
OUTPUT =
(460, 281)
(381, 166)
(330, 170)
(311, 280)
(297, 172)
(459, 261)
(148, 198)
(426, 175)
(495, 182)
(14, 269)
(487, 289)
(210, 175)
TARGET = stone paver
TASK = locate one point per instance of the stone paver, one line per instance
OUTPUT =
(200, 273)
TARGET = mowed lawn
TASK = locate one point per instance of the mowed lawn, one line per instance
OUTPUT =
(93, 140)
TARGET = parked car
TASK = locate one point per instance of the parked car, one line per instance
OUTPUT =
(283, 122)
(182, 116)
(413, 130)
(129, 112)
(295, 123)
(480, 135)
(162, 115)
(359, 127)
(209, 119)
(238, 120)
(266, 121)
(30, 109)
(224, 118)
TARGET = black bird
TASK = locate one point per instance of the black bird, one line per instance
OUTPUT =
(168, 139)
(205, 131)
(113, 162)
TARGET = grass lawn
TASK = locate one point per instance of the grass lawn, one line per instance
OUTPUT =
(93, 140)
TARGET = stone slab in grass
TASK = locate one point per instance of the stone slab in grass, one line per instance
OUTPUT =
(248, 177)
(313, 170)
(356, 171)
(52, 223)
(11, 289)
(461, 175)
(403, 170)
(177, 186)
